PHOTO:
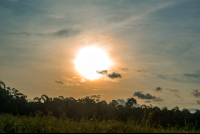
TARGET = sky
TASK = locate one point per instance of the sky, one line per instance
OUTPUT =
(154, 46)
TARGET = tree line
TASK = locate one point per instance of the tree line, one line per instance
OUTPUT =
(14, 102)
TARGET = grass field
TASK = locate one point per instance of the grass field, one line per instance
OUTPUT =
(49, 124)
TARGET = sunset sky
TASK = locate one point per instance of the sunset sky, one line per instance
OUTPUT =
(153, 47)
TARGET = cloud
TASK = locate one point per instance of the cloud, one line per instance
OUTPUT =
(95, 89)
(197, 76)
(183, 78)
(142, 71)
(111, 76)
(143, 96)
(172, 90)
(30, 100)
(157, 89)
(124, 69)
(59, 82)
(83, 80)
(13, 0)
(168, 46)
(103, 72)
(192, 110)
(66, 33)
(121, 101)
(198, 102)
(147, 101)
(136, 105)
(69, 81)
(95, 96)
(195, 93)
(114, 75)
(61, 33)
(178, 96)
(148, 96)
(158, 99)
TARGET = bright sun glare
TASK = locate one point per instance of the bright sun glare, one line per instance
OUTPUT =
(91, 59)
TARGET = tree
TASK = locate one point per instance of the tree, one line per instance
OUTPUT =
(130, 102)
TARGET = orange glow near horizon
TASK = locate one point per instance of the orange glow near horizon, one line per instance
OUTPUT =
(91, 59)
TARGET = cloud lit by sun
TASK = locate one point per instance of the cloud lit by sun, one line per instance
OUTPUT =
(91, 59)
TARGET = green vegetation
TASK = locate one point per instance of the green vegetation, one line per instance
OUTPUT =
(61, 114)
(49, 124)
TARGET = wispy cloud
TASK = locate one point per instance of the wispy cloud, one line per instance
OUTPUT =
(59, 82)
(178, 96)
(73, 81)
(147, 101)
(142, 70)
(197, 76)
(83, 80)
(124, 69)
(172, 90)
(158, 99)
(13, 0)
(66, 33)
(168, 46)
(183, 78)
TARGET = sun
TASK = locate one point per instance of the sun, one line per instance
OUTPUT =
(91, 59)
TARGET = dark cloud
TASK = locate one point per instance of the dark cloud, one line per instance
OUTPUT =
(95, 96)
(198, 102)
(195, 93)
(66, 33)
(147, 96)
(147, 101)
(157, 89)
(59, 82)
(112, 76)
(143, 96)
(124, 69)
(172, 90)
(142, 71)
(121, 101)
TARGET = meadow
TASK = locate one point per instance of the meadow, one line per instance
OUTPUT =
(50, 124)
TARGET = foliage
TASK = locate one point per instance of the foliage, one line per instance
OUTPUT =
(15, 103)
